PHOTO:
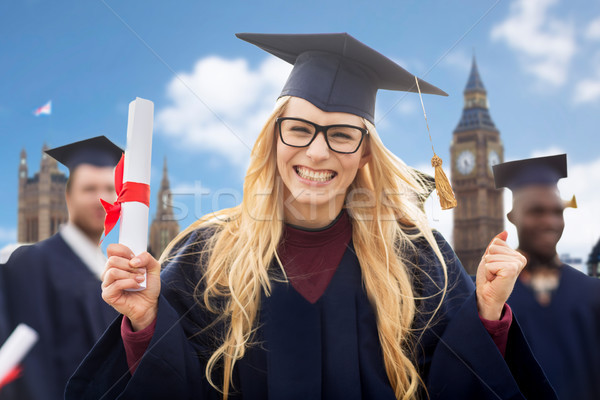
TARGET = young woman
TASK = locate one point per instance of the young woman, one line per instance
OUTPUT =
(326, 281)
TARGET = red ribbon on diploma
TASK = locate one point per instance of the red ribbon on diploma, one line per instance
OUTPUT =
(126, 192)
(11, 376)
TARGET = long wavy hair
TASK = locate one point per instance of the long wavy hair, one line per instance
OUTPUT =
(383, 198)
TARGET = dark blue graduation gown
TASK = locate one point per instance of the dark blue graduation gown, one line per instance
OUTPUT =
(326, 350)
(565, 335)
(4, 324)
(49, 288)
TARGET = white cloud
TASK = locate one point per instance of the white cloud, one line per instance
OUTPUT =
(587, 91)
(6, 251)
(545, 43)
(221, 105)
(592, 31)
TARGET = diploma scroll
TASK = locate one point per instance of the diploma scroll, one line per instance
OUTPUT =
(133, 231)
(16, 347)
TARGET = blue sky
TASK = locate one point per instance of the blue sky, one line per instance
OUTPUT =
(539, 61)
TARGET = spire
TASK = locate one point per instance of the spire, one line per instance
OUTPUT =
(23, 166)
(164, 184)
(474, 83)
(475, 114)
(48, 163)
(164, 227)
(164, 193)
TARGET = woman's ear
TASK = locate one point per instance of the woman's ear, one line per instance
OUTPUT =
(366, 156)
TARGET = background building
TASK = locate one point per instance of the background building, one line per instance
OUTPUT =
(42, 207)
(476, 146)
(164, 227)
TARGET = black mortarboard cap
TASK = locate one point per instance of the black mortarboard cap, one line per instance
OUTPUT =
(336, 72)
(97, 151)
(531, 171)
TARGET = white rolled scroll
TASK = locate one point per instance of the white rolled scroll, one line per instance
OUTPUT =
(133, 231)
(16, 347)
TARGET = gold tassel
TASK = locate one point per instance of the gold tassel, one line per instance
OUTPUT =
(571, 203)
(442, 185)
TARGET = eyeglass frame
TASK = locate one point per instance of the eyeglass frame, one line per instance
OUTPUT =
(321, 128)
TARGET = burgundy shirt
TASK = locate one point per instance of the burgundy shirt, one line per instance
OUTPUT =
(310, 259)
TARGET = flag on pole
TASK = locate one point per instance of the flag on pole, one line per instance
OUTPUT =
(46, 109)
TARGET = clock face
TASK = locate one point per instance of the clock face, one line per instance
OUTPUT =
(465, 162)
(493, 158)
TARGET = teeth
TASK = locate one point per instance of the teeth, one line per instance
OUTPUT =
(314, 175)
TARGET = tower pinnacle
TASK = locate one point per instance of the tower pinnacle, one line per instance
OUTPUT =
(474, 83)
(475, 112)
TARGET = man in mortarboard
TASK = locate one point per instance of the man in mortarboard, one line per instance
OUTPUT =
(557, 306)
(54, 285)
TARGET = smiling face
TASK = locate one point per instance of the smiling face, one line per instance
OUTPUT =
(316, 178)
(538, 216)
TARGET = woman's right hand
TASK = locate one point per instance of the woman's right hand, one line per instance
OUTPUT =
(126, 271)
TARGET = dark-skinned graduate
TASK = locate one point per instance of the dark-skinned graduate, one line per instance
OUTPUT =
(54, 286)
(558, 306)
(324, 283)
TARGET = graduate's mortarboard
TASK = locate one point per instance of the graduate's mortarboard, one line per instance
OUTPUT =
(97, 151)
(531, 171)
(336, 72)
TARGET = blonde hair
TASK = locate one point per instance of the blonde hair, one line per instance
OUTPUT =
(244, 247)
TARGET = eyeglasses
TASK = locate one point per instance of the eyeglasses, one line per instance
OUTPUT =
(297, 132)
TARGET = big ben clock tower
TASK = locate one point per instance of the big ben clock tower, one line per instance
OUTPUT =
(476, 146)
(164, 227)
